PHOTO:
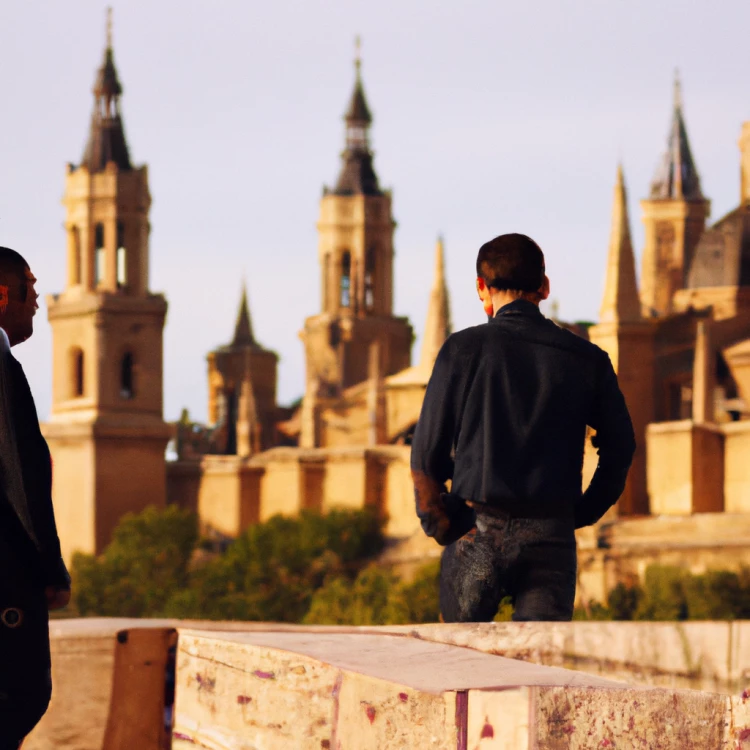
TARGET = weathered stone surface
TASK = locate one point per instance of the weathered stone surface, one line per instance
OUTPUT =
(499, 720)
(706, 655)
(233, 693)
(579, 719)
(227, 693)
(377, 653)
(265, 685)
(366, 692)
(377, 715)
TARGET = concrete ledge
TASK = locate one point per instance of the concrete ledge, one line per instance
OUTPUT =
(265, 685)
(379, 692)
(712, 656)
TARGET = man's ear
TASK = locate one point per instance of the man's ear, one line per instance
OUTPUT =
(481, 288)
(544, 291)
(485, 296)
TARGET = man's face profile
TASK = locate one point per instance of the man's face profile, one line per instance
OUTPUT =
(18, 305)
(29, 301)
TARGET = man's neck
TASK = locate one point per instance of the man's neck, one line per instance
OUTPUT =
(501, 299)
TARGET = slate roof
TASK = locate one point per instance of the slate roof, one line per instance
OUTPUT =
(677, 175)
(722, 257)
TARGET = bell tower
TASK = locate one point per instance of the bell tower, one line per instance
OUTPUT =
(674, 217)
(106, 431)
(355, 252)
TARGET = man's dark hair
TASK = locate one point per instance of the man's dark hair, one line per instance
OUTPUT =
(12, 268)
(511, 262)
(12, 262)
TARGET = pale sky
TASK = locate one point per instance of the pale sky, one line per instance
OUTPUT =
(490, 117)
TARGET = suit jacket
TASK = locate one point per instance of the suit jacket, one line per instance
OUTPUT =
(504, 417)
(29, 544)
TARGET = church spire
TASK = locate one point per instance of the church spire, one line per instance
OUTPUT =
(620, 302)
(243, 329)
(358, 117)
(357, 176)
(106, 142)
(438, 323)
(677, 176)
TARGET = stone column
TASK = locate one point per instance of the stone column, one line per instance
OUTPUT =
(703, 374)
(375, 395)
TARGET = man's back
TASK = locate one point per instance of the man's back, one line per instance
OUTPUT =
(530, 392)
(512, 399)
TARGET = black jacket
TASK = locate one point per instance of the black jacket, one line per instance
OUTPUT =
(504, 417)
(29, 544)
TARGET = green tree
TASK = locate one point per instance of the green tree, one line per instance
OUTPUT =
(140, 569)
(273, 569)
(377, 596)
(371, 599)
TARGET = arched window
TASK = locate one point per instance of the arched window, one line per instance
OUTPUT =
(98, 254)
(76, 373)
(122, 268)
(346, 279)
(75, 241)
(127, 389)
(370, 279)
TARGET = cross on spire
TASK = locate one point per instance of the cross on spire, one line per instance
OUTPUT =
(109, 27)
(677, 89)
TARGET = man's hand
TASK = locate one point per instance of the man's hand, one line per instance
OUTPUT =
(57, 598)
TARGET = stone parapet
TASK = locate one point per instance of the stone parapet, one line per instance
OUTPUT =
(485, 686)
(363, 691)
(685, 467)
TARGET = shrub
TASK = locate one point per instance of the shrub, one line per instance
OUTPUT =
(146, 561)
(623, 601)
(273, 569)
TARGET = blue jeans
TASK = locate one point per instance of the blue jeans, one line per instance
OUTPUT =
(532, 560)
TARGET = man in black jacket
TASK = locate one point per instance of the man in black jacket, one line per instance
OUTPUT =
(34, 578)
(504, 419)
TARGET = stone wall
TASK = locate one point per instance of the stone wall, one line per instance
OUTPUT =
(230, 493)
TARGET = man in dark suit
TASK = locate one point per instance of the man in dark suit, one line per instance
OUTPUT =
(504, 420)
(34, 578)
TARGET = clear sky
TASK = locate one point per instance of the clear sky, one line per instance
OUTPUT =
(489, 117)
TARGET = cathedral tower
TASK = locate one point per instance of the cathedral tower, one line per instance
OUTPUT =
(674, 217)
(242, 389)
(356, 259)
(106, 431)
